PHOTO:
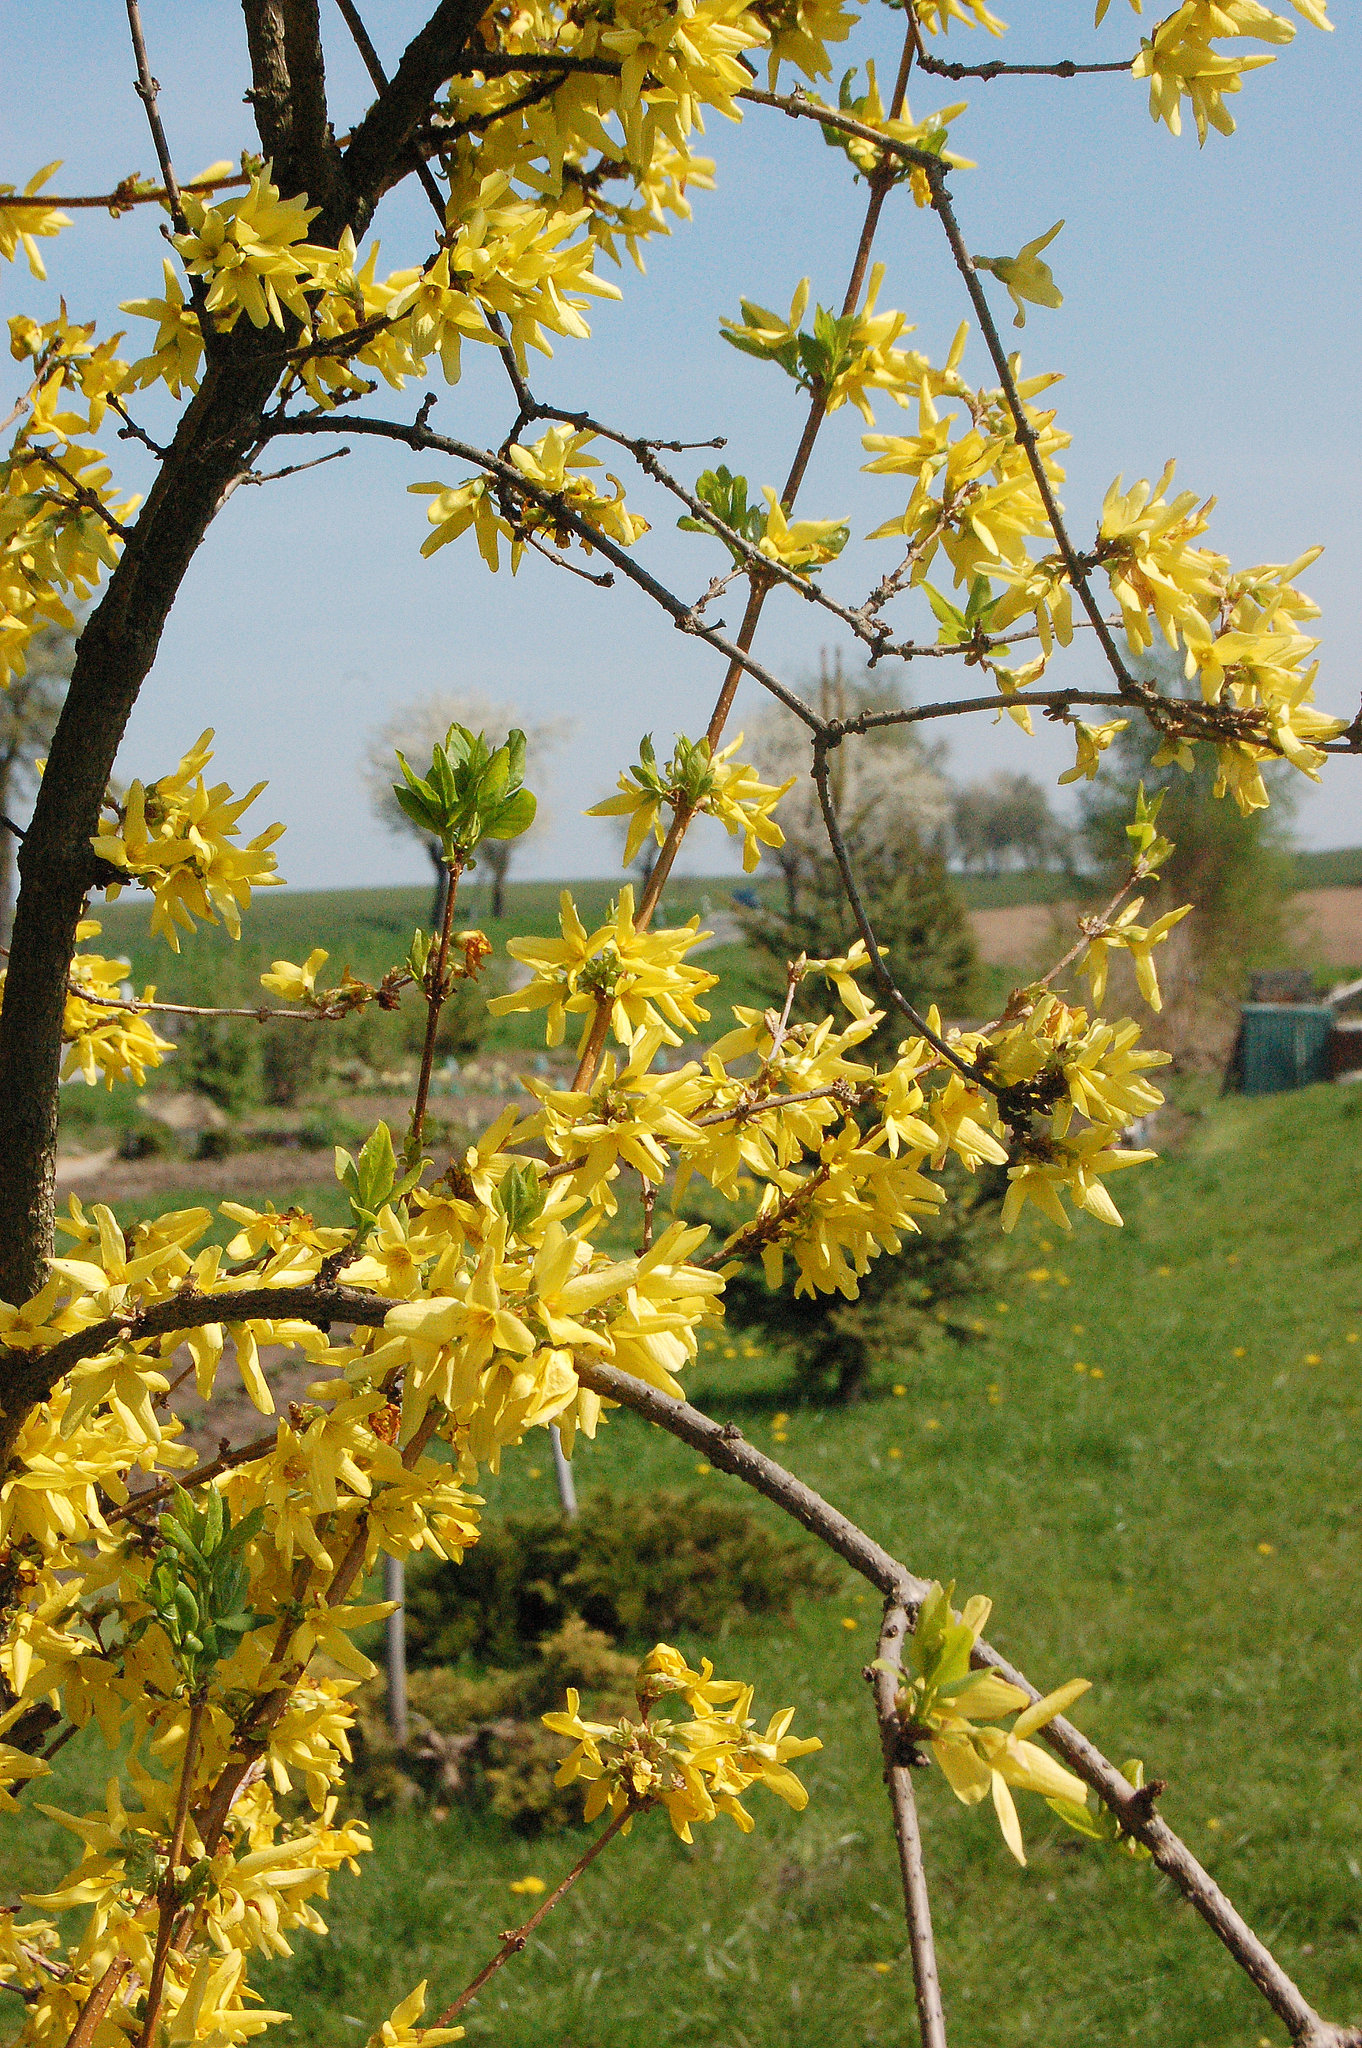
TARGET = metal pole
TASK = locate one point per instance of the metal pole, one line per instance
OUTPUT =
(394, 1588)
(567, 1489)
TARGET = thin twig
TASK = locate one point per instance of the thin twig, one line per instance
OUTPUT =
(877, 960)
(83, 495)
(1026, 434)
(512, 1944)
(898, 1778)
(1064, 67)
(761, 582)
(261, 1013)
(435, 993)
(272, 476)
(227, 1461)
(418, 436)
(98, 2003)
(170, 1885)
(130, 431)
(148, 91)
(123, 197)
(379, 79)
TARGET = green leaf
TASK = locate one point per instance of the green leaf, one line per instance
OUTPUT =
(955, 625)
(520, 1198)
(511, 818)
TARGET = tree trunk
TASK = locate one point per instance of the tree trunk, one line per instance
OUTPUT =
(56, 866)
(6, 859)
(216, 435)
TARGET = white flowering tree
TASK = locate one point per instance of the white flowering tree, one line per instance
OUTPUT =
(199, 1613)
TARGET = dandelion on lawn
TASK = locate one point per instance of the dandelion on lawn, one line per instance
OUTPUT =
(534, 1471)
(528, 1886)
(704, 1470)
(1078, 1329)
(995, 1394)
(895, 1452)
(1002, 1307)
(882, 1969)
(899, 1392)
(1097, 1373)
(1351, 1337)
(849, 1621)
(1241, 1351)
(1079, 1366)
(1266, 1549)
(931, 1423)
(1312, 1358)
(1164, 1272)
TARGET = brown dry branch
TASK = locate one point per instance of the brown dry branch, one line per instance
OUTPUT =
(420, 437)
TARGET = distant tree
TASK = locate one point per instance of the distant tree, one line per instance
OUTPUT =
(29, 710)
(413, 729)
(889, 787)
(1004, 822)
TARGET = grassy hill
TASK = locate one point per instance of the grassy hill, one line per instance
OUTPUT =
(1147, 1455)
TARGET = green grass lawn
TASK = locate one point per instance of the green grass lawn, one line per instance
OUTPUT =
(1147, 1456)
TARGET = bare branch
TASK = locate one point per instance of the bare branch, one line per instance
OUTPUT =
(363, 43)
(272, 476)
(513, 1943)
(122, 199)
(898, 1777)
(877, 960)
(682, 615)
(32, 1375)
(799, 105)
(1063, 67)
(91, 500)
(148, 91)
(724, 1446)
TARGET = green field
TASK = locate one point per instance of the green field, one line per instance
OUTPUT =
(1177, 1522)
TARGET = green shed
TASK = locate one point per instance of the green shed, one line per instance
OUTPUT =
(1283, 1045)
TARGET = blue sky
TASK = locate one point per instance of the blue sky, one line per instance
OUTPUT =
(1211, 312)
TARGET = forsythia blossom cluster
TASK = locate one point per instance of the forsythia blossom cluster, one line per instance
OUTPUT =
(696, 1769)
(177, 837)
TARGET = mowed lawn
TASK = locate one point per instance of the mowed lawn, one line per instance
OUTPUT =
(1148, 1457)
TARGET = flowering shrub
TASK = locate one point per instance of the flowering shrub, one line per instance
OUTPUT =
(203, 1615)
